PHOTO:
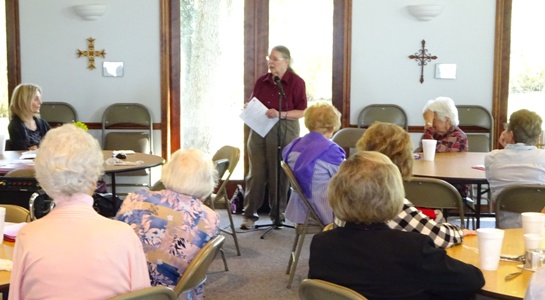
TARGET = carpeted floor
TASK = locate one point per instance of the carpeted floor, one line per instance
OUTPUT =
(260, 271)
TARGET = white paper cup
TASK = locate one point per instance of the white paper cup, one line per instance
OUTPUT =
(533, 241)
(2, 219)
(533, 222)
(490, 241)
(428, 146)
(2, 144)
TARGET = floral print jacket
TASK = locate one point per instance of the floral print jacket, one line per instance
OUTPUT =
(172, 227)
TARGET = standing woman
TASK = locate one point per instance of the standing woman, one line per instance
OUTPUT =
(26, 130)
(262, 151)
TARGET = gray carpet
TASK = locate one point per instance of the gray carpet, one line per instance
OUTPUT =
(260, 271)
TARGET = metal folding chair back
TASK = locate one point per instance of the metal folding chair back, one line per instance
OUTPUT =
(129, 126)
(316, 289)
(347, 138)
(384, 113)
(195, 273)
(519, 198)
(477, 116)
(151, 293)
(434, 193)
(58, 113)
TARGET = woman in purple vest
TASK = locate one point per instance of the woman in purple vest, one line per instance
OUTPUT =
(314, 159)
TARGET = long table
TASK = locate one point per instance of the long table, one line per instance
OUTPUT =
(456, 167)
(10, 160)
(495, 285)
(6, 252)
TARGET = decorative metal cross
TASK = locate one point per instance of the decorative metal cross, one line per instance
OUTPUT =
(91, 53)
(422, 57)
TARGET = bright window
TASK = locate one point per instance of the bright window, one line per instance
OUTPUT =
(212, 79)
(3, 72)
(527, 65)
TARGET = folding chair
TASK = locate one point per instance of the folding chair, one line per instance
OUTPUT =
(58, 113)
(312, 224)
(519, 198)
(347, 138)
(129, 126)
(16, 213)
(434, 193)
(151, 293)
(226, 159)
(316, 289)
(195, 273)
(383, 112)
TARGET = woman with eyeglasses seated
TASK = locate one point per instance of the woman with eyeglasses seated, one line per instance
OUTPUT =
(314, 159)
(394, 142)
(374, 260)
(73, 252)
(520, 162)
(173, 224)
(26, 129)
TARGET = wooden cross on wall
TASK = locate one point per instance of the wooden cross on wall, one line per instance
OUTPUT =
(422, 57)
(91, 53)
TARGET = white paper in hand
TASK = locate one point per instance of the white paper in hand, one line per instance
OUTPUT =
(255, 116)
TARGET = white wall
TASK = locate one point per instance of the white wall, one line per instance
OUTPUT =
(384, 34)
(129, 31)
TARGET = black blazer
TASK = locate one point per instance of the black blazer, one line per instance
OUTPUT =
(382, 263)
(18, 136)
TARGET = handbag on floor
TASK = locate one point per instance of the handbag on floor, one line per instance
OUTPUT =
(237, 200)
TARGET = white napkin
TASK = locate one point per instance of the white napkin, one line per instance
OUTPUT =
(118, 162)
(6, 264)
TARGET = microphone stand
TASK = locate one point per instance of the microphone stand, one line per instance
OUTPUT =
(277, 222)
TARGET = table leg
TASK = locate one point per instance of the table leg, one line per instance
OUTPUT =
(113, 185)
(478, 206)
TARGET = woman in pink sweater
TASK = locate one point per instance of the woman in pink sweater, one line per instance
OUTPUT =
(73, 252)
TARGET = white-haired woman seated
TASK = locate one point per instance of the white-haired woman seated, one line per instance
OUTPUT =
(73, 252)
(373, 259)
(441, 124)
(173, 224)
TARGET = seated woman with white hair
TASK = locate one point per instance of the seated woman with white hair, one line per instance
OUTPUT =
(73, 252)
(373, 259)
(173, 224)
(441, 124)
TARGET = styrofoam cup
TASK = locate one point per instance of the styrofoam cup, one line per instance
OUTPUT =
(2, 144)
(490, 241)
(533, 222)
(428, 146)
(533, 241)
(2, 219)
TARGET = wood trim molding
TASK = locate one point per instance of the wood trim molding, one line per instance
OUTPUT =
(170, 78)
(502, 53)
(12, 43)
(256, 46)
(342, 45)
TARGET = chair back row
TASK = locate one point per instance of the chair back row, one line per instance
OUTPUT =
(469, 116)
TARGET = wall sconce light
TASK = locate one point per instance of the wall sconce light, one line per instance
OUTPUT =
(425, 12)
(90, 11)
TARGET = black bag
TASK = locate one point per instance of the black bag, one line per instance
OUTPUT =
(237, 201)
(106, 205)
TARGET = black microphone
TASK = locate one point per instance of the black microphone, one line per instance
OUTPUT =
(279, 86)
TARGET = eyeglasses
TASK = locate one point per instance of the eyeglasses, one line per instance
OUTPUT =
(275, 59)
(506, 126)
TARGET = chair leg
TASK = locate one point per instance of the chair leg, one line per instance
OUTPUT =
(224, 260)
(292, 252)
(296, 258)
(233, 232)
